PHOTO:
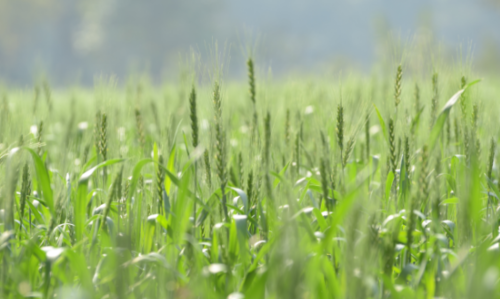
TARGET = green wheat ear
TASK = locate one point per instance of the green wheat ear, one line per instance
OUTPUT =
(241, 170)
(417, 98)
(220, 155)
(160, 178)
(456, 126)
(287, 127)
(340, 128)
(392, 146)
(194, 130)
(39, 137)
(193, 116)
(435, 97)
(25, 189)
(219, 135)
(103, 144)
(475, 113)
(253, 93)
(423, 181)
(140, 130)
(250, 188)
(348, 150)
(466, 149)
(324, 181)
(463, 99)
(397, 86)
(251, 80)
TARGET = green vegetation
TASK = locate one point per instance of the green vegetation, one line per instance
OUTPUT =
(359, 187)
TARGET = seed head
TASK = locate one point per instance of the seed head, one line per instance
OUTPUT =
(324, 181)
(140, 129)
(397, 85)
(407, 155)
(348, 150)
(340, 126)
(417, 99)
(435, 97)
(463, 98)
(103, 142)
(193, 116)
(251, 80)
(392, 146)
(39, 137)
(423, 181)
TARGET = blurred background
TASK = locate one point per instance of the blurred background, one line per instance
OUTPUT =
(71, 42)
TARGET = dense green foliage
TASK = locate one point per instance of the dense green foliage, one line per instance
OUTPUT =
(299, 188)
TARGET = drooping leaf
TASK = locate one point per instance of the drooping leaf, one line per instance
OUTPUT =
(443, 115)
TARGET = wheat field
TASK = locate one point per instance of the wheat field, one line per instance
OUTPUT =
(348, 186)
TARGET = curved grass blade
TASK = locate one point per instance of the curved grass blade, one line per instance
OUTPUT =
(382, 124)
(135, 220)
(81, 198)
(243, 197)
(441, 120)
